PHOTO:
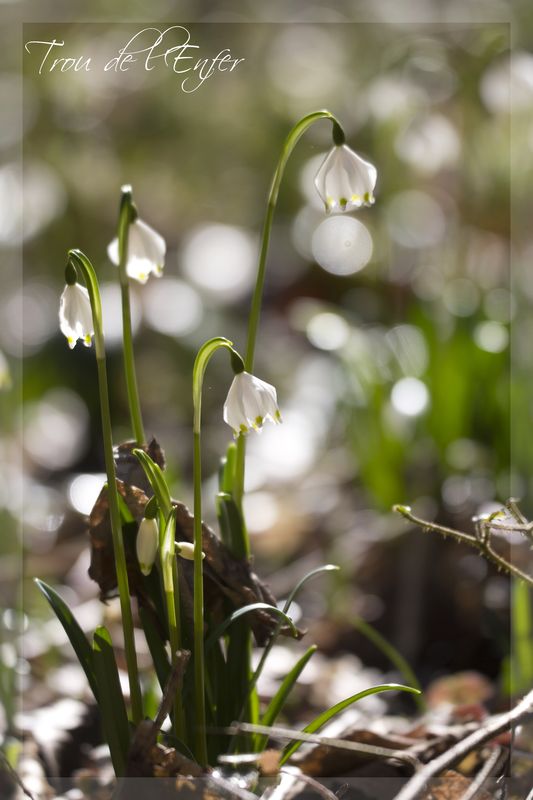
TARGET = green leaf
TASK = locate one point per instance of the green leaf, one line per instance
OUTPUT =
(125, 514)
(303, 581)
(231, 524)
(255, 677)
(156, 479)
(157, 648)
(275, 706)
(227, 469)
(278, 701)
(112, 707)
(522, 635)
(394, 656)
(76, 636)
(221, 629)
(325, 717)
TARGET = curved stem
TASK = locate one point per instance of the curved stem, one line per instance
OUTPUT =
(255, 311)
(82, 263)
(202, 359)
(124, 221)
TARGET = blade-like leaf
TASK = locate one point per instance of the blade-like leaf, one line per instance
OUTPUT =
(278, 701)
(157, 481)
(303, 581)
(76, 636)
(394, 656)
(156, 647)
(325, 717)
(231, 523)
(221, 629)
(112, 707)
(275, 634)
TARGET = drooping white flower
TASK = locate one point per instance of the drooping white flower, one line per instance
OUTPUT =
(186, 550)
(146, 252)
(249, 403)
(75, 315)
(147, 544)
(345, 180)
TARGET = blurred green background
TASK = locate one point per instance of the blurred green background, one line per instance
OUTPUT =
(392, 367)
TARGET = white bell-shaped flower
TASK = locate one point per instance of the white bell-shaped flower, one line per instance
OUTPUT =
(146, 252)
(75, 315)
(345, 180)
(147, 544)
(249, 403)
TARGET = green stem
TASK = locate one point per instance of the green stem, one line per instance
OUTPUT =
(255, 311)
(82, 263)
(202, 359)
(124, 220)
(170, 584)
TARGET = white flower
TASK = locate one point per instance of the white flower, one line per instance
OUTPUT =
(75, 315)
(345, 180)
(249, 403)
(186, 550)
(147, 543)
(146, 252)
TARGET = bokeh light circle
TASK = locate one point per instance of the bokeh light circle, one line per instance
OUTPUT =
(342, 245)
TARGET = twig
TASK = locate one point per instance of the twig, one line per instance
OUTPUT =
(495, 726)
(15, 776)
(146, 734)
(357, 747)
(481, 543)
(323, 791)
(173, 685)
(483, 774)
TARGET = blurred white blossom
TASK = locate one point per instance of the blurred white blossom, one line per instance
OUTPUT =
(146, 252)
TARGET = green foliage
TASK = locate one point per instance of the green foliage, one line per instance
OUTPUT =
(325, 717)
(111, 701)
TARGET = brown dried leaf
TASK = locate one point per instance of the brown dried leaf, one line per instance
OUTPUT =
(452, 786)
(227, 580)
(326, 761)
(128, 467)
(102, 566)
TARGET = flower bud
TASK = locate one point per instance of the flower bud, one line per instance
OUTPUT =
(186, 550)
(147, 543)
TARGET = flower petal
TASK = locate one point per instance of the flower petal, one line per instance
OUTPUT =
(345, 180)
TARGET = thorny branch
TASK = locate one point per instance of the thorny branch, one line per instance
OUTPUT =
(494, 727)
(484, 774)
(481, 539)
